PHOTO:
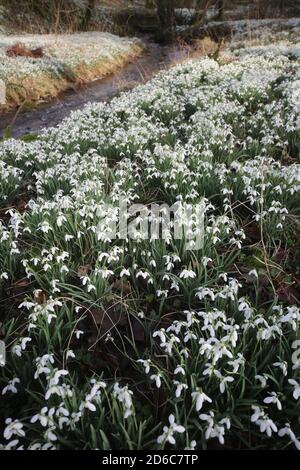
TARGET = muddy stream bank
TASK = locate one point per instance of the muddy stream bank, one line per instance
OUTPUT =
(156, 57)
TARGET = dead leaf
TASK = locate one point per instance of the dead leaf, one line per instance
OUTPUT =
(22, 206)
(105, 320)
(40, 297)
(83, 271)
(18, 287)
(20, 50)
(288, 293)
(20, 283)
(252, 232)
(122, 286)
(138, 331)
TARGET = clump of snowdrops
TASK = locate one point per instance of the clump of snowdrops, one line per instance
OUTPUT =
(142, 344)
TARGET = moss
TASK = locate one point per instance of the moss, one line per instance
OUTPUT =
(31, 137)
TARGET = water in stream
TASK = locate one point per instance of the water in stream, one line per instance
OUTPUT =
(155, 58)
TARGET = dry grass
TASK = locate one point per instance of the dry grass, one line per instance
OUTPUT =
(205, 46)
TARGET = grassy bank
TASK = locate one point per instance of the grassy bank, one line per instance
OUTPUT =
(67, 61)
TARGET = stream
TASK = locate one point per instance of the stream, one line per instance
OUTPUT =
(156, 57)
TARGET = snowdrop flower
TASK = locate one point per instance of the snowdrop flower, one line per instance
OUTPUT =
(91, 287)
(53, 283)
(143, 274)
(296, 355)
(70, 354)
(146, 364)
(157, 379)
(179, 388)
(210, 370)
(237, 363)
(11, 387)
(215, 429)
(13, 428)
(24, 342)
(44, 227)
(94, 396)
(54, 380)
(188, 336)
(10, 445)
(19, 348)
(204, 292)
(223, 276)
(179, 370)
(223, 380)
(26, 304)
(60, 220)
(265, 424)
(109, 338)
(78, 333)
(161, 335)
(49, 434)
(84, 280)
(45, 417)
(184, 353)
(187, 274)
(125, 272)
(262, 379)
(200, 397)
(257, 413)
(287, 431)
(53, 384)
(124, 396)
(168, 432)
(177, 326)
(105, 273)
(162, 293)
(253, 273)
(43, 365)
(273, 398)
(296, 391)
(192, 446)
(205, 261)
(208, 417)
(54, 390)
(292, 317)
(39, 446)
(282, 365)
(245, 308)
